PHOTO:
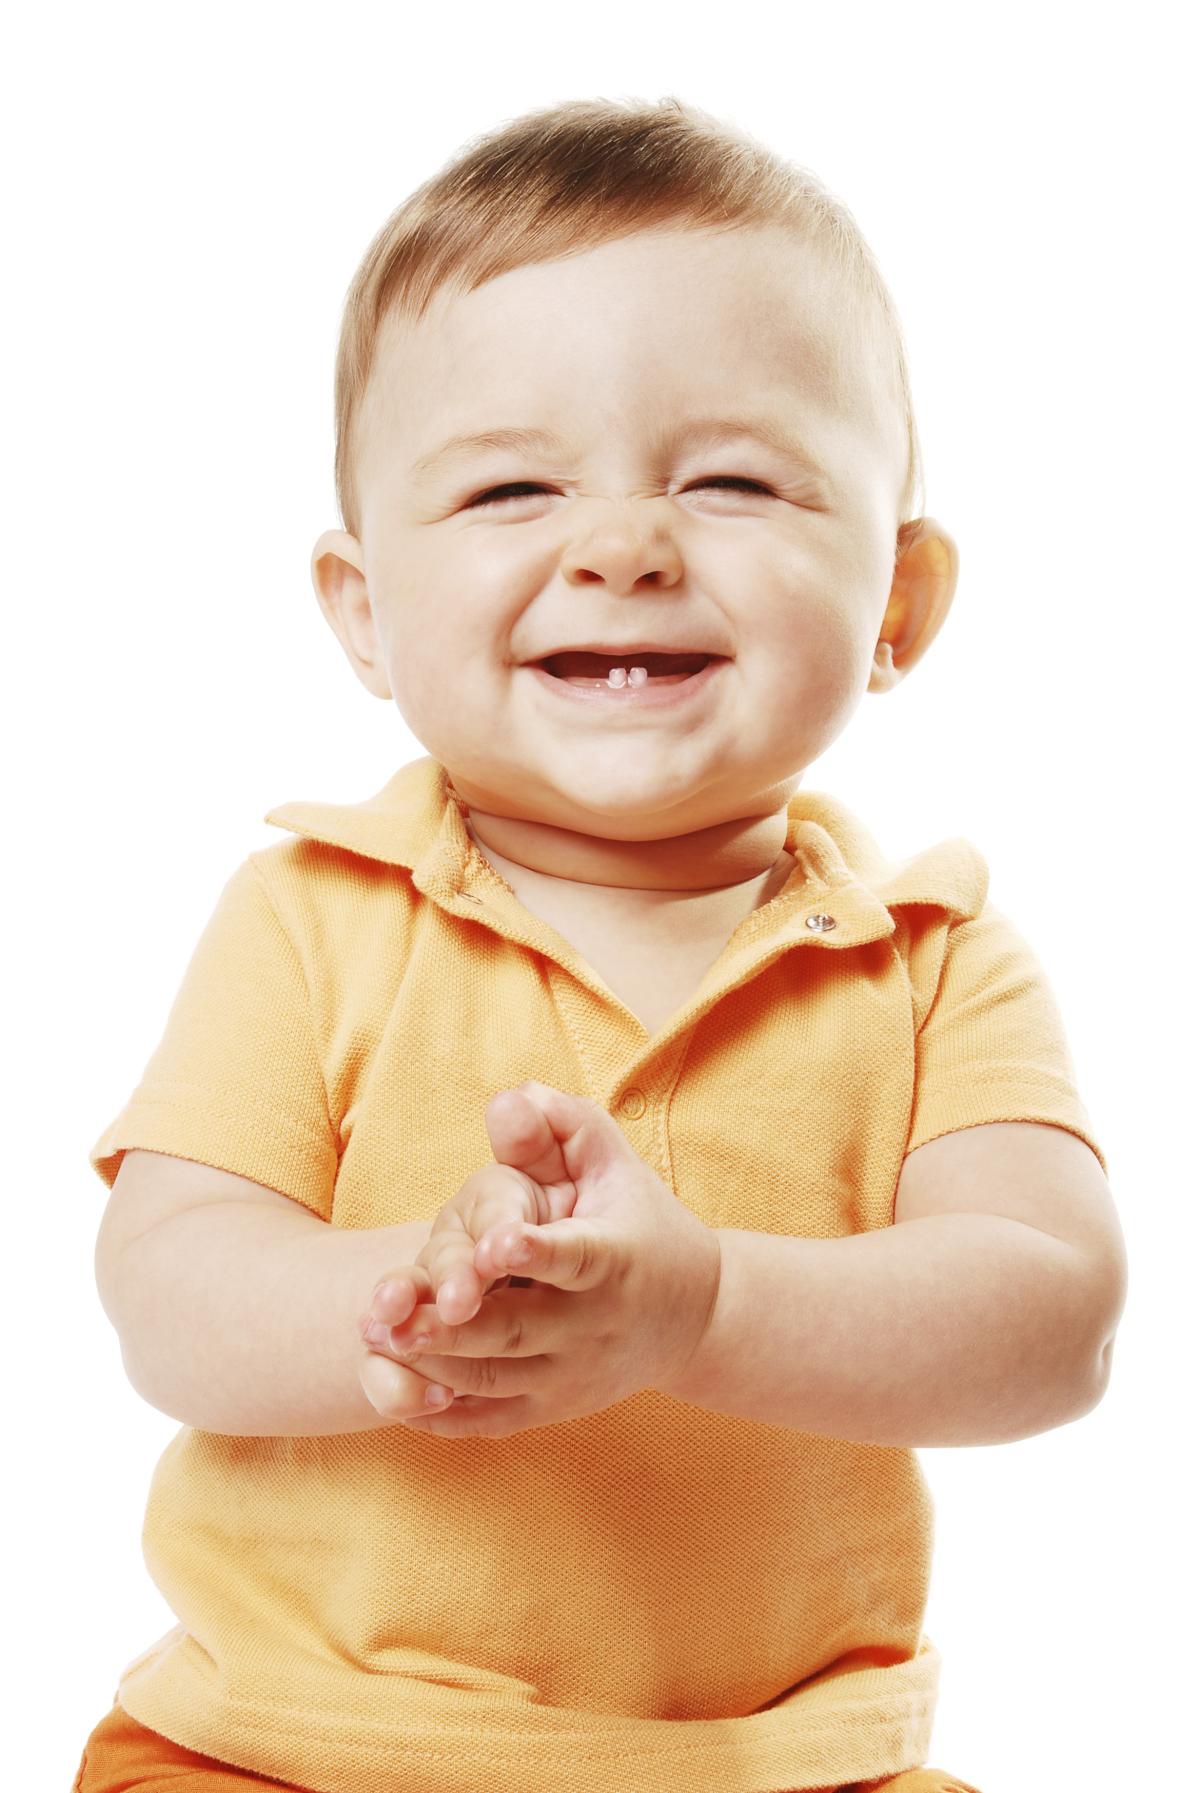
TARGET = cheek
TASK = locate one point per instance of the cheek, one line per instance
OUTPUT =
(443, 675)
(464, 602)
(853, 614)
(492, 566)
(811, 632)
(420, 663)
(429, 688)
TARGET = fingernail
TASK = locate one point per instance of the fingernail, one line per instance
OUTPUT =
(455, 1293)
(436, 1397)
(521, 1252)
(387, 1291)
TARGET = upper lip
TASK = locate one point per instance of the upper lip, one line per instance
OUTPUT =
(618, 652)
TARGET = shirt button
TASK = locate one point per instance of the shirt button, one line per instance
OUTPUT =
(820, 924)
(633, 1104)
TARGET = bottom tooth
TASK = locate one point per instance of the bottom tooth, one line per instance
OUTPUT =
(635, 676)
(617, 681)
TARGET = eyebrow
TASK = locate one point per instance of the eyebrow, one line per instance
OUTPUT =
(695, 433)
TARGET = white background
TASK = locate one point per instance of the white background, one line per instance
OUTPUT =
(190, 190)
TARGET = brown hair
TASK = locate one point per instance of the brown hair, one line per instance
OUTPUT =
(571, 177)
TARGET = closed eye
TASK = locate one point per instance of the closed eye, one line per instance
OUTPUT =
(522, 487)
(498, 494)
(725, 480)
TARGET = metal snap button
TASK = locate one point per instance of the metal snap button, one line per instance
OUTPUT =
(633, 1104)
(820, 924)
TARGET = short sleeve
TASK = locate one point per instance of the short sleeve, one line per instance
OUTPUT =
(236, 1079)
(992, 1046)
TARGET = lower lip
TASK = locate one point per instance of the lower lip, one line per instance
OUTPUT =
(631, 697)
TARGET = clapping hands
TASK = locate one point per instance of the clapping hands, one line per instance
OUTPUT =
(623, 1281)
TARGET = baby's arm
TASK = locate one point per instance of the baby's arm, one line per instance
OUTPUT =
(984, 1314)
(237, 1308)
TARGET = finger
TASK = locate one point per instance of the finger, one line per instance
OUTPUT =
(456, 1289)
(398, 1292)
(567, 1254)
(489, 1377)
(501, 1250)
(395, 1391)
(475, 1416)
(496, 1194)
(522, 1137)
(528, 1325)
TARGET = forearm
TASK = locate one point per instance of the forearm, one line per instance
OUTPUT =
(239, 1319)
(950, 1329)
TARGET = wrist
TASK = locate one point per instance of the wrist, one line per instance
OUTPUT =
(695, 1373)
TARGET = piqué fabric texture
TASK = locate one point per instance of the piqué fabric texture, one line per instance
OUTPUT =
(120, 1754)
(655, 1596)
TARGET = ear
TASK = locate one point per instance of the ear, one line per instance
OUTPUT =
(340, 582)
(923, 584)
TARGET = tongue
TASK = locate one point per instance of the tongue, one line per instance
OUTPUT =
(662, 669)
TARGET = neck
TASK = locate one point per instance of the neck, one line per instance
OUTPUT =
(709, 859)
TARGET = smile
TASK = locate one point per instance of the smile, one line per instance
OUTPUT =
(637, 690)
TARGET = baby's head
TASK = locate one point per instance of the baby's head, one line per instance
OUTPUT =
(618, 379)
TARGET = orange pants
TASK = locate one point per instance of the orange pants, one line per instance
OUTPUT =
(122, 1756)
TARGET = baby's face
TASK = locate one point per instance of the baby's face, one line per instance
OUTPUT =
(621, 530)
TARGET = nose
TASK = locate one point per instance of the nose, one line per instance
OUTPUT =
(624, 550)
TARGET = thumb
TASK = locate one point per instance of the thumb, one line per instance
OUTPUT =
(572, 1254)
(556, 1138)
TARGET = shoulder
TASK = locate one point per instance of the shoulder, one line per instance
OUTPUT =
(331, 900)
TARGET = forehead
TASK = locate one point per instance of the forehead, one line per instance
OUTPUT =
(621, 333)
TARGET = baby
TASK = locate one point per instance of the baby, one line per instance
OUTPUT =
(593, 1078)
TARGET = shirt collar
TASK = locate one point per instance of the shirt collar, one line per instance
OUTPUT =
(416, 820)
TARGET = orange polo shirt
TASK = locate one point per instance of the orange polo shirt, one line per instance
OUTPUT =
(654, 1596)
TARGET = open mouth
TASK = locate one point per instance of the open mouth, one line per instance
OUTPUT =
(636, 682)
(634, 670)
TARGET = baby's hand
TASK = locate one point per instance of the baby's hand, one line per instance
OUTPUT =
(626, 1282)
(468, 1254)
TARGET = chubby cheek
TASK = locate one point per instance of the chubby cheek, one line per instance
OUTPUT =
(423, 677)
(446, 691)
(814, 670)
